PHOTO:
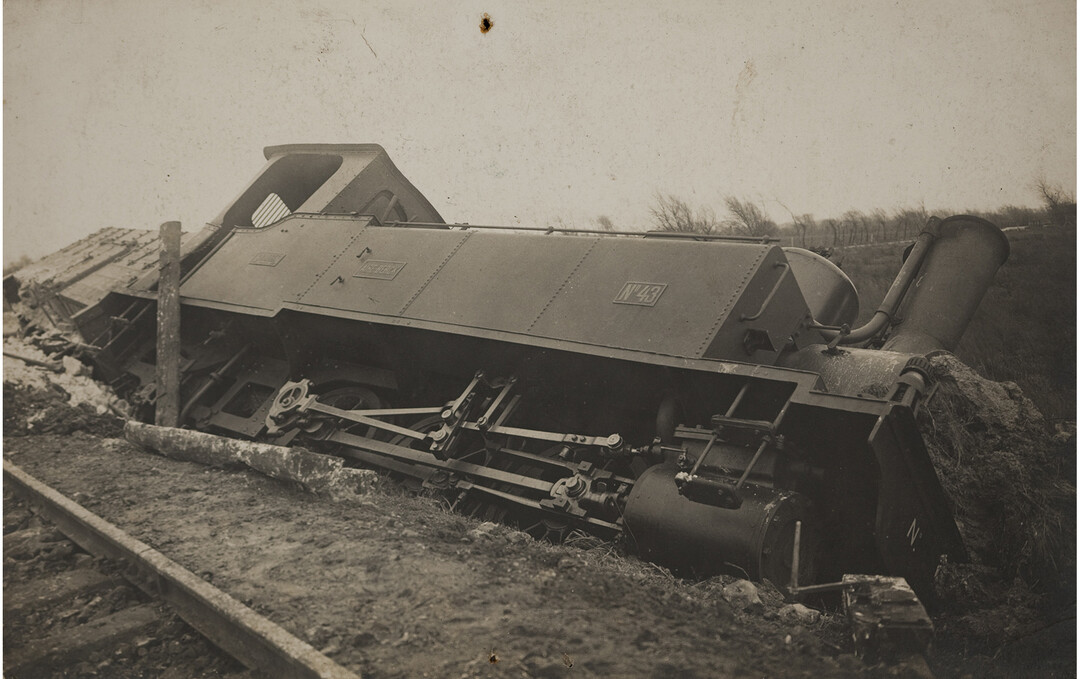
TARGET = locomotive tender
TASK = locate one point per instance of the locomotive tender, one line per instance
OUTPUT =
(696, 395)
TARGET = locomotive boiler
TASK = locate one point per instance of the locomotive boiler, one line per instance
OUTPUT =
(696, 395)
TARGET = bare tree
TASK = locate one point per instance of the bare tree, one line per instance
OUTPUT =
(834, 226)
(605, 223)
(748, 219)
(852, 220)
(803, 223)
(707, 220)
(911, 220)
(881, 219)
(670, 213)
(1016, 215)
(866, 223)
(1060, 203)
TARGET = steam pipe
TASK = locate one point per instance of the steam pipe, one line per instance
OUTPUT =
(888, 307)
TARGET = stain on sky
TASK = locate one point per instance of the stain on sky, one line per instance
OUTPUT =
(742, 85)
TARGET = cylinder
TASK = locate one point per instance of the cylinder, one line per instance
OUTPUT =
(952, 281)
(755, 540)
(828, 291)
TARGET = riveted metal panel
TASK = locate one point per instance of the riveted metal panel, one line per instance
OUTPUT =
(770, 307)
(500, 281)
(239, 274)
(703, 281)
(407, 260)
(676, 298)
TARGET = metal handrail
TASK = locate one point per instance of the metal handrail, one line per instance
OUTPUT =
(549, 229)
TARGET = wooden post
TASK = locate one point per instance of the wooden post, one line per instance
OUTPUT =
(167, 413)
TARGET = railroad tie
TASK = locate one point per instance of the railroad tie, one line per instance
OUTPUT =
(41, 594)
(71, 645)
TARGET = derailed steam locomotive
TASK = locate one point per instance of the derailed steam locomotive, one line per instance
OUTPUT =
(698, 395)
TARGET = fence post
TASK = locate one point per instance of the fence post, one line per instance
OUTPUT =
(167, 412)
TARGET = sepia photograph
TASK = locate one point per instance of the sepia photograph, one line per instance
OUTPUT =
(611, 339)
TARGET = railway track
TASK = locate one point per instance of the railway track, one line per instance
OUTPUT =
(68, 613)
(82, 598)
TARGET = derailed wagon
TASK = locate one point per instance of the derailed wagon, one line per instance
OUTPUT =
(700, 396)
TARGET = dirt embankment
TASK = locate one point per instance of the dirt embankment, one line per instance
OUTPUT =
(1011, 476)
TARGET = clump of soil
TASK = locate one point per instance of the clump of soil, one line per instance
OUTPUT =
(47, 411)
(1010, 475)
(40, 401)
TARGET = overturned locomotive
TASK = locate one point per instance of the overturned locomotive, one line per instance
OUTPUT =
(698, 395)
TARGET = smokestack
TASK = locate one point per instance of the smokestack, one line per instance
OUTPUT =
(949, 286)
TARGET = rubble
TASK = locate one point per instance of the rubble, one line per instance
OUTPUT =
(743, 594)
(482, 531)
(74, 379)
(799, 613)
(38, 400)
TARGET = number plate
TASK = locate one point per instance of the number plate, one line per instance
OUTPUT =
(641, 294)
(267, 259)
(379, 268)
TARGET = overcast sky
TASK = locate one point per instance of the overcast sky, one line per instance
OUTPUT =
(133, 112)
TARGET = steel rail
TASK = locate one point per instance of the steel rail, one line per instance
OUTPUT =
(241, 632)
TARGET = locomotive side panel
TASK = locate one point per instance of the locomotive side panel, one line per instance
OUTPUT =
(716, 300)
(262, 269)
